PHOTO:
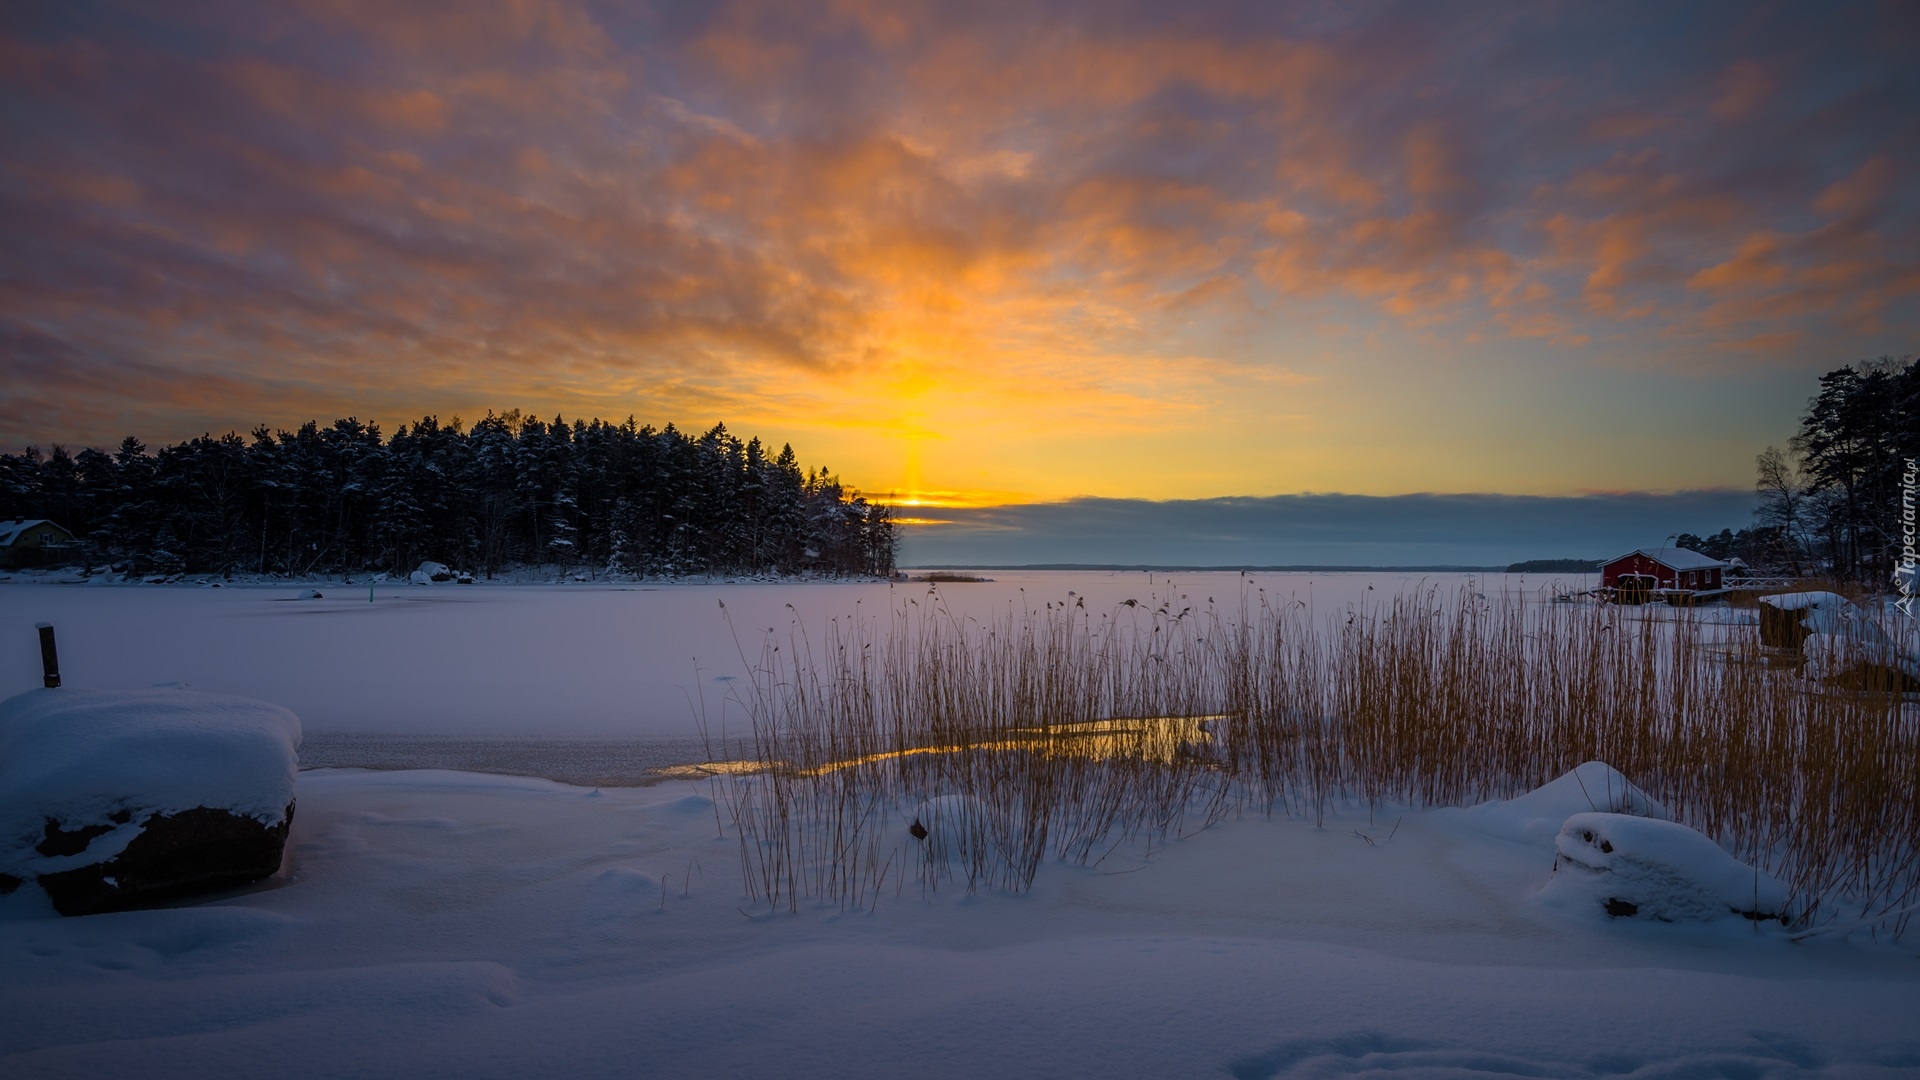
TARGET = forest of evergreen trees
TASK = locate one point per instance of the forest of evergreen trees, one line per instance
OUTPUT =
(1830, 502)
(509, 491)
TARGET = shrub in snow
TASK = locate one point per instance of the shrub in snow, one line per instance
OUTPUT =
(1635, 867)
(109, 799)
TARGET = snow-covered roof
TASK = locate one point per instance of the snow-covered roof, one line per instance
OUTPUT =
(13, 530)
(1674, 558)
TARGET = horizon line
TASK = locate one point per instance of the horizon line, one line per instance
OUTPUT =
(1170, 567)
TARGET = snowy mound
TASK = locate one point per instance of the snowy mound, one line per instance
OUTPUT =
(1537, 815)
(82, 772)
(1642, 868)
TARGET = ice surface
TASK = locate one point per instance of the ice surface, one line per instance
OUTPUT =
(1637, 867)
(600, 660)
(587, 762)
(87, 757)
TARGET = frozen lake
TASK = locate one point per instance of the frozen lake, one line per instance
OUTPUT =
(592, 660)
(583, 683)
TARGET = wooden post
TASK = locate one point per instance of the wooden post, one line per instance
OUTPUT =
(49, 659)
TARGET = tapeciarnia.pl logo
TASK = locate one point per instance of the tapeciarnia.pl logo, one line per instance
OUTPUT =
(1905, 576)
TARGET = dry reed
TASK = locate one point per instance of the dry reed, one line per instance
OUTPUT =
(1065, 732)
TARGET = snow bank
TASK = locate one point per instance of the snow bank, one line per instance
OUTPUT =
(1638, 867)
(484, 926)
(1538, 815)
(106, 761)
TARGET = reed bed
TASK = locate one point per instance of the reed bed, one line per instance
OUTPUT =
(1064, 733)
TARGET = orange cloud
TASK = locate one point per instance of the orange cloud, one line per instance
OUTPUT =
(1626, 126)
(1861, 192)
(1744, 87)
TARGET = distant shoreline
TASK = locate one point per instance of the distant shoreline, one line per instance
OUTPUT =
(1169, 568)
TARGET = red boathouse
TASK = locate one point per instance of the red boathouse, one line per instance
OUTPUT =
(1647, 570)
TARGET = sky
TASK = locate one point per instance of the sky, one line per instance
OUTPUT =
(975, 256)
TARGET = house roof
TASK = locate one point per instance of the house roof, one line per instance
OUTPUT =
(12, 530)
(1673, 558)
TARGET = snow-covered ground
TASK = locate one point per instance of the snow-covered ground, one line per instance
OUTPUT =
(454, 924)
(449, 924)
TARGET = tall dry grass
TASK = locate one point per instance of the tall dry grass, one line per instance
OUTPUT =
(1061, 732)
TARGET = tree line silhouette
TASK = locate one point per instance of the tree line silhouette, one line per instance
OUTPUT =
(509, 491)
(1832, 499)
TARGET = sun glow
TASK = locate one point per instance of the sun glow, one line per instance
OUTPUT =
(948, 500)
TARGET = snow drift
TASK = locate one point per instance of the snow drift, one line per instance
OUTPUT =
(1538, 815)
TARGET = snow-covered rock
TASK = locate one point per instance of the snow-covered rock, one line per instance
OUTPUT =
(1538, 815)
(309, 594)
(1636, 867)
(430, 572)
(1787, 619)
(111, 798)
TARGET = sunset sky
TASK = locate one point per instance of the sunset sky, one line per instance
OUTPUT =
(974, 253)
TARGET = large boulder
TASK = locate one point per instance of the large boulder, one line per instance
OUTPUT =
(114, 799)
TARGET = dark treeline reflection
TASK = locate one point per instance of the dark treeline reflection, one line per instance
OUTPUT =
(510, 490)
